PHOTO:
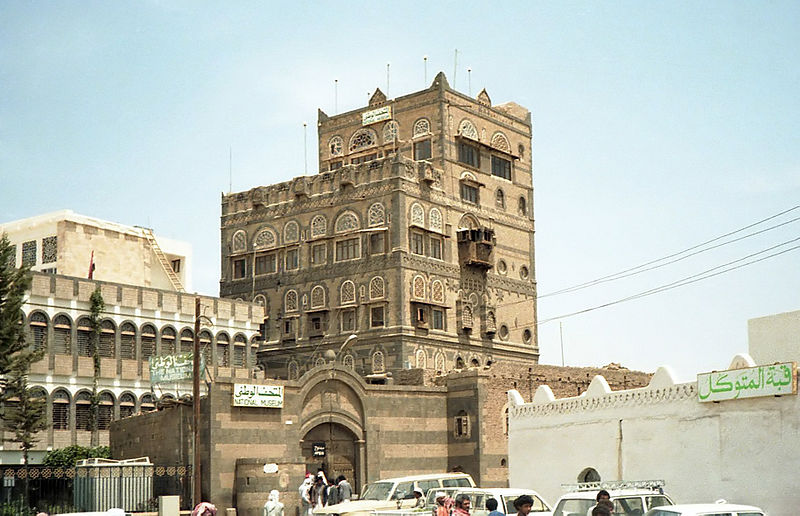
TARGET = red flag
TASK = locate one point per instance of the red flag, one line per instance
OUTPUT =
(91, 265)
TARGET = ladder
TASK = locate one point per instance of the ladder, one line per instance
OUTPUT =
(162, 259)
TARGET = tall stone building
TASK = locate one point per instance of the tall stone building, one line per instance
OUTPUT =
(416, 237)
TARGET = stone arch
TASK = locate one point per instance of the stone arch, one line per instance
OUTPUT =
(468, 221)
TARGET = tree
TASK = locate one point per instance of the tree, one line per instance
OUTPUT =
(68, 456)
(22, 414)
(97, 305)
(14, 283)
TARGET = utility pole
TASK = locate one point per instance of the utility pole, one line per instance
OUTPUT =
(561, 334)
(196, 484)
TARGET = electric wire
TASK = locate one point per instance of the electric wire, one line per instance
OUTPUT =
(630, 271)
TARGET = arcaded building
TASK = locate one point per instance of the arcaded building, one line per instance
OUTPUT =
(416, 236)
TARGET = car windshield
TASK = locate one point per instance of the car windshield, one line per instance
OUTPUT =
(657, 501)
(573, 507)
(377, 491)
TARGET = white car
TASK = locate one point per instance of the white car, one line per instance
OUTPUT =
(395, 493)
(631, 502)
(706, 509)
(505, 497)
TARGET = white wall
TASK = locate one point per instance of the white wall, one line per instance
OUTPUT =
(745, 451)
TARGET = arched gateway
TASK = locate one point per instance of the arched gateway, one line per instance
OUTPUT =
(332, 423)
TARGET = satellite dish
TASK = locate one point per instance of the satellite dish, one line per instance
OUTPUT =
(270, 468)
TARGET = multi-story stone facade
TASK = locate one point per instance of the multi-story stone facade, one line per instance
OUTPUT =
(416, 237)
(136, 323)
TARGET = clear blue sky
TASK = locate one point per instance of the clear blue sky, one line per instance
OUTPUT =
(657, 126)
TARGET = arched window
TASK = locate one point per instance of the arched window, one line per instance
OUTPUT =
(417, 215)
(83, 406)
(347, 292)
(335, 146)
(293, 370)
(377, 215)
(376, 288)
(467, 128)
(239, 350)
(187, 341)
(522, 207)
(474, 362)
(422, 127)
(349, 362)
(390, 131)
(500, 199)
(421, 359)
(589, 475)
(435, 220)
(437, 291)
(265, 239)
(290, 302)
(149, 341)
(60, 410)
(127, 405)
(291, 232)
(317, 297)
(347, 221)
(526, 336)
(260, 300)
(500, 142)
(319, 362)
(38, 323)
(84, 337)
(362, 139)
(223, 350)
(491, 322)
(62, 335)
(239, 241)
(127, 341)
(146, 403)
(106, 343)
(505, 419)
(440, 363)
(319, 226)
(378, 364)
(466, 317)
(204, 340)
(459, 363)
(418, 290)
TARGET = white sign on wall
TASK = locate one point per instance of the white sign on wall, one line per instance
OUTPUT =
(750, 382)
(247, 395)
(376, 115)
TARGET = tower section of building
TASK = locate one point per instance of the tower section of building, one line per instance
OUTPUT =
(416, 237)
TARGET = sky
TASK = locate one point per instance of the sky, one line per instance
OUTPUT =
(657, 126)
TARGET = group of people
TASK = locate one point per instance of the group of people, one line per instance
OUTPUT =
(318, 491)
(446, 506)
(604, 507)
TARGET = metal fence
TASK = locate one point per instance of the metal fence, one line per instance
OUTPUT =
(53, 489)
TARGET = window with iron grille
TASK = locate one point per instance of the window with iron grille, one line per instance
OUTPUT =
(149, 340)
(187, 341)
(49, 249)
(39, 330)
(127, 405)
(62, 335)
(147, 404)
(84, 337)
(127, 341)
(105, 411)
(82, 410)
(60, 410)
(239, 355)
(29, 253)
(106, 342)
(223, 350)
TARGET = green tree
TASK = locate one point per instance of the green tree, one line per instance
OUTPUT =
(14, 283)
(68, 456)
(97, 305)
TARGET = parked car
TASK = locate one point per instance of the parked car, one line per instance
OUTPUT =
(632, 502)
(505, 497)
(706, 509)
(395, 493)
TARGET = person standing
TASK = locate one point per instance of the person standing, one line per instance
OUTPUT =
(491, 504)
(345, 489)
(441, 504)
(523, 504)
(333, 493)
(463, 505)
(273, 507)
(305, 496)
(603, 497)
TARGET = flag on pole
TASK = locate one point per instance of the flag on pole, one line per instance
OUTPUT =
(91, 265)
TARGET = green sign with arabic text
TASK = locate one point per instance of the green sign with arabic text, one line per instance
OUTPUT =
(750, 382)
(173, 368)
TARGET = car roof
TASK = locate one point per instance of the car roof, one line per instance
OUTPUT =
(614, 493)
(504, 491)
(709, 507)
(428, 476)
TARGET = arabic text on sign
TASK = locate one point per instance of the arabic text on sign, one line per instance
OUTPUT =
(751, 382)
(249, 395)
(376, 115)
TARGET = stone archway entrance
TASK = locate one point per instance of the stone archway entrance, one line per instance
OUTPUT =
(341, 448)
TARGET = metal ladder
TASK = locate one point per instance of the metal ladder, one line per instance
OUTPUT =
(173, 277)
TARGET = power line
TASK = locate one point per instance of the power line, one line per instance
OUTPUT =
(684, 281)
(630, 271)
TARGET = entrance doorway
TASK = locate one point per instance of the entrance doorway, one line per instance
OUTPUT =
(332, 447)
